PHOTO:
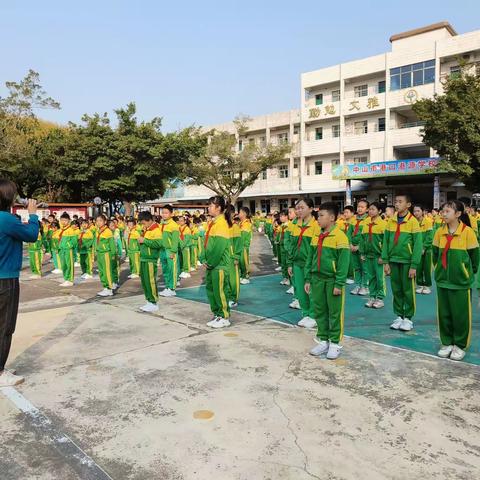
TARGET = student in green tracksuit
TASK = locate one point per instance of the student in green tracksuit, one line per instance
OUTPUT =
(194, 246)
(217, 261)
(288, 246)
(112, 225)
(401, 256)
(46, 232)
(283, 217)
(247, 232)
(85, 248)
(301, 237)
(371, 254)
(198, 222)
(456, 258)
(326, 270)
(106, 251)
(132, 234)
(184, 244)
(169, 251)
(151, 245)
(424, 272)
(35, 255)
(236, 253)
(57, 265)
(354, 236)
(67, 244)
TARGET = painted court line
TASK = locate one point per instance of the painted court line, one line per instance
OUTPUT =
(74, 456)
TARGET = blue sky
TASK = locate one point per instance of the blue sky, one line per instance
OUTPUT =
(198, 62)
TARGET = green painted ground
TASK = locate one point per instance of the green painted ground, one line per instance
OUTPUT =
(265, 297)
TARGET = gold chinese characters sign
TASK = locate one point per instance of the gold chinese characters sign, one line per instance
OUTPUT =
(317, 111)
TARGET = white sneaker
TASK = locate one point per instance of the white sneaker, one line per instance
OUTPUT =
(244, 281)
(56, 271)
(295, 304)
(115, 286)
(192, 269)
(34, 277)
(8, 379)
(76, 264)
(378, 303)
(184, 275)
(87, 276)
(396, 324)
(168, 293)
(133, 275)
(212, 321)
(232, 304)
(363, 291)
(307, 322)
(419, 289)
(333, 351)
(284, 281)
(457, 354)
(445, 351)
(291, 290)
(199, 264)
(106, 292)
(350, 281)
(278, 269)
(355, 291)
(370, 303)
(406, 325)
(220, 322)
(319, 349)
(149, 307)
(66, 283)
(426, 291)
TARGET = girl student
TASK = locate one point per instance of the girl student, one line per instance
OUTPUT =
(200, 224)
(246, 229)
(217, 246)
(283, 217)
(132, 234)
(424, 272)
(456, 257)
(301, 236)
(85, 249)
(35, 255)
(112, 225)
(236, 250)
(106, 256)
(67, 243)
(184, 244)
(57, 265)
(371, 254)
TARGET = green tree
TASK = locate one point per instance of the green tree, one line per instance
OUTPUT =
(228, 170)
(452, 126)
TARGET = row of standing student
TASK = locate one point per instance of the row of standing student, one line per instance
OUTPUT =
(319, 257)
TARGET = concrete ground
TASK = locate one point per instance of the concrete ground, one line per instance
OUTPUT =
(113, 393)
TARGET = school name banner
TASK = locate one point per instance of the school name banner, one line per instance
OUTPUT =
(393, 168)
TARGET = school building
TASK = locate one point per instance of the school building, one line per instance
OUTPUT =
(356, 135)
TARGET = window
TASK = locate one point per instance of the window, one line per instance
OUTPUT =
(319, 133)
(381, 124)
(283, 203)
(318, 168)
(335, 131)
(264, 175)
(282, 138)
(335, 163)
(361, 90)
(455, 71)
(265, 206)
(381, 86)
(283, 171)
(319, 99)
(262, 141)
(412, 75)
(251, 140)
(362, 159)
(361, 128)
(240, 145)
(335, 95)
(296, 130)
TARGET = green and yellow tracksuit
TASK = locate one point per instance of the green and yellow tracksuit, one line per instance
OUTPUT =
(437, 223)
(326, 268)
(478, 238)
(169, 253)
(424, 272)
(456, 257)
(354, 235)
(201, 239)
(133, 249)
(121, 229)
(217, 247)
(149, 253)
(246, 230)
(106, 251)
(194, 247)
(344, 226)
(236, 251)
(289, 246)
(67, 245)
(85, 249)
(371, 249)
(46, 238)
(184, 244)
(301, 235)
(276, 242)
(269, 228)
(402, 250)
(54, 249)
(282, 260)
(35, 255)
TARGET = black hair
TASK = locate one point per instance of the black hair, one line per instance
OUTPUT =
(202, 217)
(65, 215)
(421, 207)
(390, 206)
(145, 216)
(284, 212)
(55, 224)
(349, 207)
(330, 207)
(168, 207)
(459, 207)
(131, 220)
(364, 200)
(224, 207)
(246, 210)
(379, 206)
(103, 217)
(307, 201)
(407, 196)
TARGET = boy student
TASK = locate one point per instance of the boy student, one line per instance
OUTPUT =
(401, 256)
(85, 249)
(151, 245)
(326, 272)
(169, 251)
(67, 243)
(36, 255)
(424, 273)
(133, 248)
(106, 252)
(281, 247)
(355, 235)
(344, 224)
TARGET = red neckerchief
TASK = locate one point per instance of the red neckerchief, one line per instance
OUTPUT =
(447, 247)
(321, 237)
(282, 233)
(163, 226)
(62, 231)
(100, 233)
(370, 226)
(397, 231)
(345, 228)
(357, 226)
(300, 237)
(207, 234)
(182, 236)
(80, 238)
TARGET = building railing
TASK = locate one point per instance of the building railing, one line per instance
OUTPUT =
(410, 125)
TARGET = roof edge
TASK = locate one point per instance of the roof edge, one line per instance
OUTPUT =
(420, 30)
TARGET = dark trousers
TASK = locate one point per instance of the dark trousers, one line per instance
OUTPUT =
(9, 294)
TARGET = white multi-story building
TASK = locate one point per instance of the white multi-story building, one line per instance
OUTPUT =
(356, 134)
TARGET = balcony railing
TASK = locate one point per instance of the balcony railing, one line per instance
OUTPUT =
(408, 125)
